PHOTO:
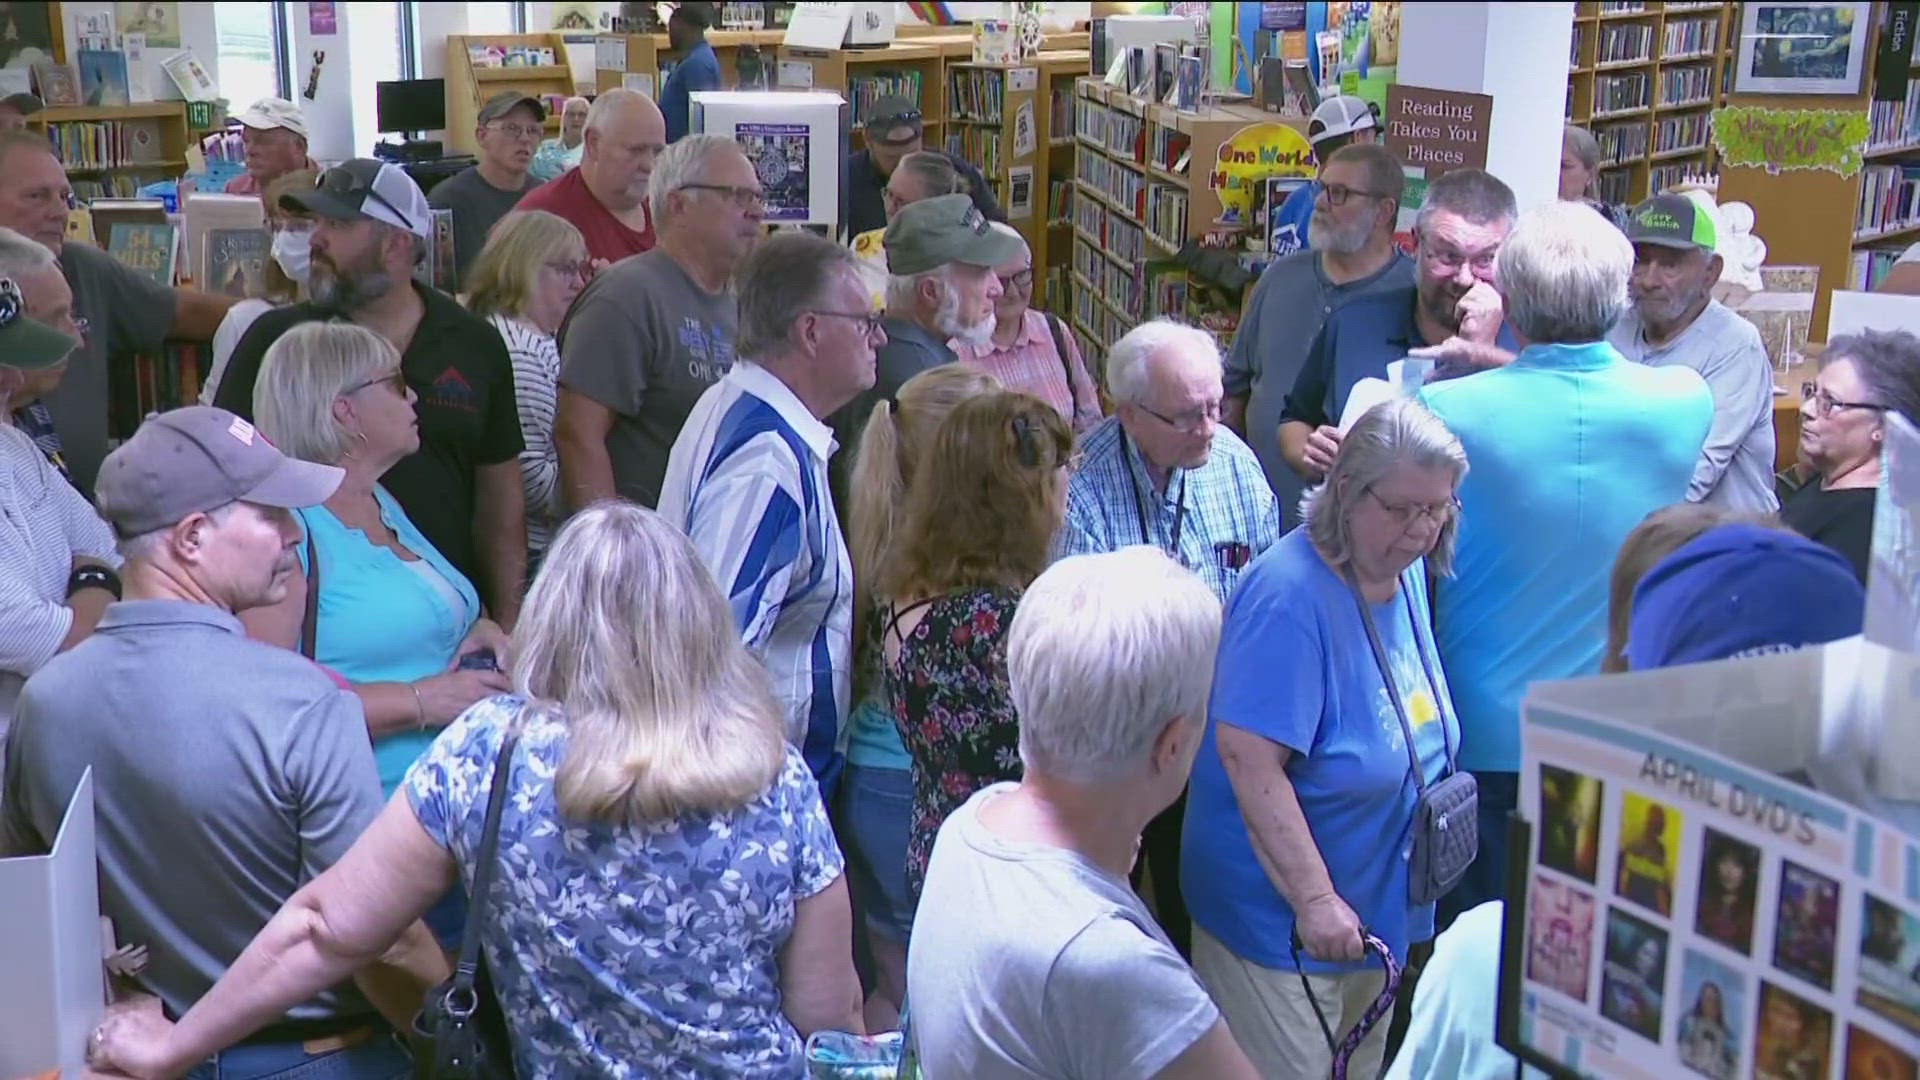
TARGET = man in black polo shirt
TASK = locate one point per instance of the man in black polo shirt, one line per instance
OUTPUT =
(462, 489)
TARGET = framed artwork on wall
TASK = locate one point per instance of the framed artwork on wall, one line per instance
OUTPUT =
(1798, 48)
(30, 33)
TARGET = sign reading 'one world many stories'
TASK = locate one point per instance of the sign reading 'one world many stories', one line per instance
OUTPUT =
(1438, 130)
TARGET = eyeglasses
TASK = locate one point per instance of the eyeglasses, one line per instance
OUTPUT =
(395, 380)
(1820, 403)
(1405, 515)
(1187, 422)
(515, 130)
(579, 268)
(1338, 194)
(871, 322)
(349, 185)
(745, 198)
(1018, 280)
(1448, 261)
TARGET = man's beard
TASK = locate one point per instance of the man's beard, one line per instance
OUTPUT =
(947, 321)
(1325, 234)
(1665, 314)
(1442, 303)
(347, 289)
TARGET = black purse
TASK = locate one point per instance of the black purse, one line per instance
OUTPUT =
(460, 1033)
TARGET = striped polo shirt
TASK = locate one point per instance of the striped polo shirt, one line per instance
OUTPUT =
(747, 481)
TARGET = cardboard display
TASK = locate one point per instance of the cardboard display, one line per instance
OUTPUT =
(796, 141)
(52, 988)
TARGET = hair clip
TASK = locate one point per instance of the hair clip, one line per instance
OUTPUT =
(1024, 443)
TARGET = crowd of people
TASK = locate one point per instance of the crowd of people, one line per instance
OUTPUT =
(857, 657)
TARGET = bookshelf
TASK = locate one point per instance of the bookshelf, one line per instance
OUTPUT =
(111, 150)
(1644, 77)
(1138, 201)
(469, 85)
(650, 55)
(912, 68)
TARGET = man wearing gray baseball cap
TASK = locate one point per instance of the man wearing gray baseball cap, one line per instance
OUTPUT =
(172, 706)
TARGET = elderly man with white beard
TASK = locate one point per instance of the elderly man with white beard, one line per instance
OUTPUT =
(941, 287)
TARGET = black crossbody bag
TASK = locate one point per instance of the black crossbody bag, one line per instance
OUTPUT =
(461, 1034)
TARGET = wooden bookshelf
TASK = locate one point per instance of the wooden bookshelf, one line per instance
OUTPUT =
(861, 75)
(166, 159)
(646, 54)
(468, 86)
(1644, 78)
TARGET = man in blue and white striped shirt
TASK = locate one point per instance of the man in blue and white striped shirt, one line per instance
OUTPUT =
(747, 478)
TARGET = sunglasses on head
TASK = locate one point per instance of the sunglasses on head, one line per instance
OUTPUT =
(349, 184)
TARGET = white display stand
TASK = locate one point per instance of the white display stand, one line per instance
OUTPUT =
(52, 987)
(797, 143)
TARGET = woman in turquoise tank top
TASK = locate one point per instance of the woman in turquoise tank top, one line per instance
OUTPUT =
(391, 616)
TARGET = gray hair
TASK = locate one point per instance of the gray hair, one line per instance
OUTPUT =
(1889, 364)
(611, 105)
(903, 290)
(304, 373)
(145, 546)
(1127, 360)
(1474, 194)
(682, 163)
(1563, 273)
(1103, 652)
(1587, 149)
(783, 277)
(1383, 170)
(1387, 436)
(575, 100)
(20, 256)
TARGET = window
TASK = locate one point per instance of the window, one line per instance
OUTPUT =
(251, 60)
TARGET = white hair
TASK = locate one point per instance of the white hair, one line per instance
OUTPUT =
(20, 256)
(608, 108)
(1104, 651)
(903, 290)
(303, 373)
(1563, 274)
(1127, 360)
(575, 100)
(682, 163)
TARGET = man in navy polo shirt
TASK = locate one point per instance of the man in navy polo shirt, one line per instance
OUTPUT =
(1450, 315)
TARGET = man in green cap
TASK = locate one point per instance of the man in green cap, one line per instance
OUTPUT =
(58, 558)
(941, 287)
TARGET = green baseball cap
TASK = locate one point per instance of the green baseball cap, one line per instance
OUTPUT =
(931, 233)
(1673, 221)
(28, 344)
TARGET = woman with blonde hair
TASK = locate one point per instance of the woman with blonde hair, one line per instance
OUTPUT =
(523, 282)
(667, 899)
(284, 280)
(876, 791)
(981, 512)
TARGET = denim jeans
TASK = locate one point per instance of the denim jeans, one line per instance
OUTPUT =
(382, 1057)
(1486, 879)
(876, 814)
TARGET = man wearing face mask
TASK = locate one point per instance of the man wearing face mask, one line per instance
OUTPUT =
(1451, 315)
(1676, 320)
(286, 276)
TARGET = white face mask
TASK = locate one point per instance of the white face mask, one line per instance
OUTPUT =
(291, 252)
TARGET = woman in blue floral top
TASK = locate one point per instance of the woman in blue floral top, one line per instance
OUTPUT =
(980, 516)
(668, 900)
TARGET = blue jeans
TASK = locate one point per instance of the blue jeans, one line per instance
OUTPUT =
(1486, 879)
(382, 1057)
(876, 814)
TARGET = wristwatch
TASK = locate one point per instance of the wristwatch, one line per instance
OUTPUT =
(93, 577)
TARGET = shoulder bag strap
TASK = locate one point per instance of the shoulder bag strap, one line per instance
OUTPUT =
(1393, 686)
(484, 857)
(1066, 365)
(310, 624)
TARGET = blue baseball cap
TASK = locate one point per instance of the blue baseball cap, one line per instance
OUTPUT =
(1742, 590)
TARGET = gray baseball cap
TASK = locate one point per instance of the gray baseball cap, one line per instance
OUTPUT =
(192, 460)
(945, 229)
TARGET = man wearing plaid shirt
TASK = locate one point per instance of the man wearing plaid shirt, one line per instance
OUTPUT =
(1162, 471)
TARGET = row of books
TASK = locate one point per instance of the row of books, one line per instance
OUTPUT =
(1894, 123)
(107, 143)
(1620, 93)
(1615, 186)
(1631, 43)
(1121, 134)
(1088, 216)
(1119, 289)
(1116, 236)
(1060, 201)
(1621, 143)
(1060, 109)
(1622, 7)
(1673, 174)
(105, 187)
(865, 89)
(1889, 198)
(158, 382)
(1686, 85)
(1689, 37)
(1689, 131)
(1121, 185)
(1870, 266)
(979, 145)
(976, 93)
(1579, 39)
(1170, 150)
(1166, 216)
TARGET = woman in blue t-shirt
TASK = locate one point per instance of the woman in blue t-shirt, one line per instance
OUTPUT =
(1299, 819)
(391, 616)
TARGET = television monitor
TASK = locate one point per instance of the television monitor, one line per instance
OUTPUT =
(410, 105)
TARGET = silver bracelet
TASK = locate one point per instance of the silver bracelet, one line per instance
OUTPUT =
(419, 706)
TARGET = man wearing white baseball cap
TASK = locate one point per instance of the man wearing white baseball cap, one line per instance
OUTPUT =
(275, 134)
(1338, 122)
(462, 487)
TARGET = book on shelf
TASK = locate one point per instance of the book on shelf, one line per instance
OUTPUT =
(1870, 267)
(205, 212)
(146, 249)
(235, 263)
(1895, 123)
(1686, 84)
(868, 87)
(59, 84)
(103, 78)
(976, 93)
(1889, 198)
(1668, 175)
(110, 212)
(1689, 37)
(1619, 92)
(107, 144)
(190, 77)
(1628, 44)
(976, 144)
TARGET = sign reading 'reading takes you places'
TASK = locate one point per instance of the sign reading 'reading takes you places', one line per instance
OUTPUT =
(1438, 130)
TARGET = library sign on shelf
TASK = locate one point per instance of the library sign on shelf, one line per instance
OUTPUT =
(1776, 139)
(1438, 130)
(1249, 157)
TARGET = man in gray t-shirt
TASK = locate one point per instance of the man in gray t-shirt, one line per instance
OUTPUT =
(1352, 255)
(1031, 957)
(509, 129)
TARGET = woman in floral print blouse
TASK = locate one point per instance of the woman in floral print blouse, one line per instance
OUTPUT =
(980, 516)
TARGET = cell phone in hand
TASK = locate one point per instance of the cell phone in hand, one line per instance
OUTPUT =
(480, 660)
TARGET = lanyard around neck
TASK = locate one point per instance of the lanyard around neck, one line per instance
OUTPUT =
(1140, 503)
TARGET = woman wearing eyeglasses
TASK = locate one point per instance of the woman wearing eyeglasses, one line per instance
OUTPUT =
(524, 281)
(1843, 413)
(1301, 812)
(1032, 351)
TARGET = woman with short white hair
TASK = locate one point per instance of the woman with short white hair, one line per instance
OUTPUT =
(666, 900)
(1330, 720)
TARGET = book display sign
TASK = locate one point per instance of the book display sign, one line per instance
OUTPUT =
(796, 141)
(52, 983)
(779, 156)
(1438, 130)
